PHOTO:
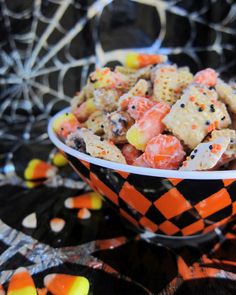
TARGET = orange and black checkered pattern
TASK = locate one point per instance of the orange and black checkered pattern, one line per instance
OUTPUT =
(176, 207)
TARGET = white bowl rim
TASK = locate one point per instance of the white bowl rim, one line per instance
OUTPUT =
(203, 175)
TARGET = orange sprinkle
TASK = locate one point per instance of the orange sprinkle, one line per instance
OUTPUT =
(216, 148)
(191, 98)
(194, 126)
(202, 106)
(212, 126)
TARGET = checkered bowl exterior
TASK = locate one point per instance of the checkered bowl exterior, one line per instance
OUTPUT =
(166, 206)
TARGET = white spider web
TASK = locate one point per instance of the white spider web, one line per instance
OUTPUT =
(39, 71)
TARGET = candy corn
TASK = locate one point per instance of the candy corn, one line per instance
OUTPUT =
(89, 200)
(59, 160)
(30, 221)
(84, 213)
(61, 284)
(148, 126)
(57, 224)
(2, 292)
(65, 124)
(38, 169)
(140, 60)
(21, 283)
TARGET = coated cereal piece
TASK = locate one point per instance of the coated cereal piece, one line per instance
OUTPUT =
(106, 99)
(196, 114)
(95, 122)
(83, 112)
(226, 94)
(116, 126)
(165, 84)
(105, 78)
(99, 148)
(185, 77)
(139, 89)
(81, 96)
(143, 73)
(206, 155)
(138, 106)
(231, 150)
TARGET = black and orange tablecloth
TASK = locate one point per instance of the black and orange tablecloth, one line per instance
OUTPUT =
(114, 259)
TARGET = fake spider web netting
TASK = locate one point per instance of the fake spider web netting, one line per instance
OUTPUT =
(48, 47)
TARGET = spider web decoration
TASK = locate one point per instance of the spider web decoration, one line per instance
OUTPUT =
(48, 47)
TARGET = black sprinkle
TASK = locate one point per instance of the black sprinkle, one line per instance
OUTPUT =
(102, 126)
(222, 119)
(200, 109)
(195, 151)
(231, 140)
(102, 139)
(210, 147)
(208, 122)
(93, 120)
(133, 107)
(67, 114)
(62, 128)
(182, 105)
(192, 157)
(212, 108)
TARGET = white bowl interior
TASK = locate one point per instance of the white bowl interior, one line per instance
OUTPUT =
(224, 174)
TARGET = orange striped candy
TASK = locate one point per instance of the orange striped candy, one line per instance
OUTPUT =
(38, 169)
(21, 283)
(89, 200)
(83, 213)
(65, 124)
(139, 60)
(61, 284)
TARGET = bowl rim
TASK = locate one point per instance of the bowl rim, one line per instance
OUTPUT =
(203, 175)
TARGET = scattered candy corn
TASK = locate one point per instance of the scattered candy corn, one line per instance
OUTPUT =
(139, 60)
(84, 213)
(65, 124)
(59, 160)
(89, 200)
(61, 284)
(2, 292)
(38, 169)
(21, 283)
(30, 221)
(57, 224)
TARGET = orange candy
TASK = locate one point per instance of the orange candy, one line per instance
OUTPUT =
(139, 60)
(164, 152)
(138, 106)
(130, 153)
(64, 124)
(206, 77)
(21, 283)
(38, 169)
(61, 284)
(141, 162)
(90, 200)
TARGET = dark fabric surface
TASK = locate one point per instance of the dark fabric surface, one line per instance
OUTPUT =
(39, 73)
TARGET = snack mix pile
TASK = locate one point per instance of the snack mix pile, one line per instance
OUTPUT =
(150, 113)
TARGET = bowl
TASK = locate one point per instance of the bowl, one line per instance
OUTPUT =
(169, 203)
